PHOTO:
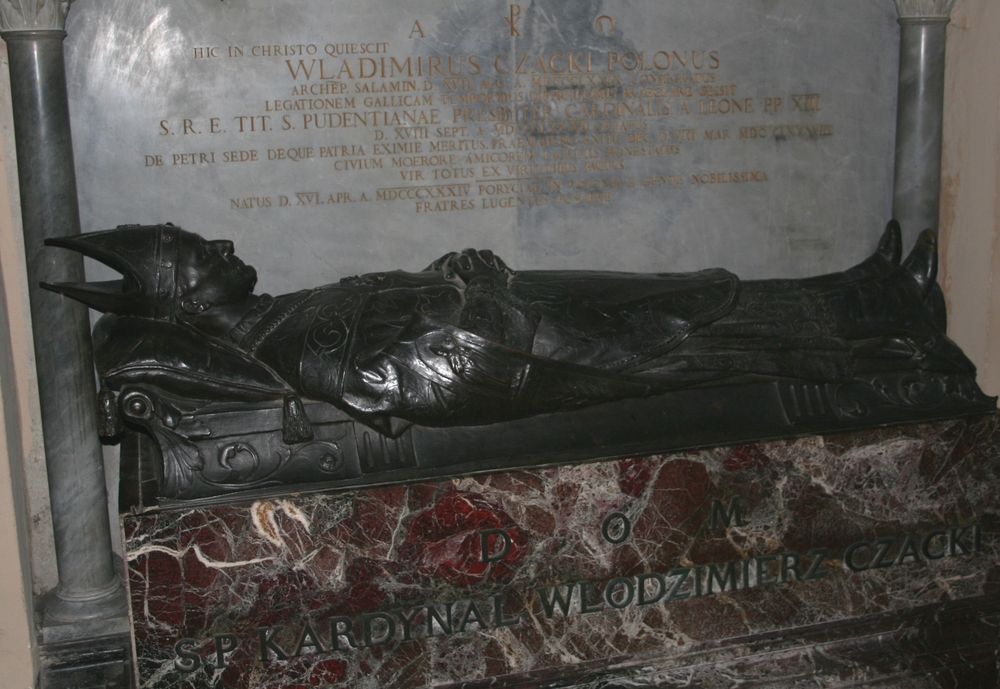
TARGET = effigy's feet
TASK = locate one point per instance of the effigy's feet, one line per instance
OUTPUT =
(884, 260)
(899, 319)
(897, 300)
(922, 263)
(922, 267)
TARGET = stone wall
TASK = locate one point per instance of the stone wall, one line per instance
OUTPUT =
(970, 214)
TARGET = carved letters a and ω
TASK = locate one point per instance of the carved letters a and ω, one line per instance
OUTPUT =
(33, 15)
(924, 9)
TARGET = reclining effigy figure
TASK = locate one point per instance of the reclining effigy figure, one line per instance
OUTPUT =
(469, 342)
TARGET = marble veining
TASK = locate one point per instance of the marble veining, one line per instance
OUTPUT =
(311, 582)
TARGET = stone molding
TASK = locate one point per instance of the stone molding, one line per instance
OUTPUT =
(925, 9)
(33, 15)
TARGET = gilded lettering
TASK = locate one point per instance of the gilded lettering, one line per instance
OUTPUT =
(513, 19)
(806, 102)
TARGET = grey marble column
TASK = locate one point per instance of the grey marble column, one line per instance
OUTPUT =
(919, 114)
(88, 588)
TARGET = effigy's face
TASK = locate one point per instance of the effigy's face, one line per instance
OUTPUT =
(209, 271)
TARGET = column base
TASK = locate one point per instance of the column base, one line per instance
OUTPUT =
(67, 619)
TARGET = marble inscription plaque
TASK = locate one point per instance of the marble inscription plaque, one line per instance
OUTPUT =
(330, 138)
(527, 577)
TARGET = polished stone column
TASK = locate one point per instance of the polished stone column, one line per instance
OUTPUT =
(919, 114)
(88, 588)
